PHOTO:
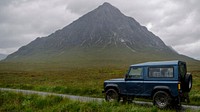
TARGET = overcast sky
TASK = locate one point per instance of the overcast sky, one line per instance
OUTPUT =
(176, 22)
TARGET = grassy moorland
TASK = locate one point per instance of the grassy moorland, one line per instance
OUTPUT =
(31, 103)
(73, 79)
(57, 78)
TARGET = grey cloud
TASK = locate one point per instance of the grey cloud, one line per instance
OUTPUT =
(181, 24)
(175, 22)
(22, 21)
(82, 6)
(191, 49)
(4, 3)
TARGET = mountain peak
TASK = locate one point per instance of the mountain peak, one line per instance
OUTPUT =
(102, 29)
(106, 4)
(108, 8)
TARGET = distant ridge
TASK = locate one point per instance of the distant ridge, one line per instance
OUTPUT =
(102, 35)
(2, 56)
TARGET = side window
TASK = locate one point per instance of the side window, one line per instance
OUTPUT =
(135, 73)
(160, 72)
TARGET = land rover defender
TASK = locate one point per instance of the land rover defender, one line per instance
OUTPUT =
(166, 82)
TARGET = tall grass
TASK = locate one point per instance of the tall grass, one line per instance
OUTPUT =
(15, 102)
(86, 81)
(79, 81)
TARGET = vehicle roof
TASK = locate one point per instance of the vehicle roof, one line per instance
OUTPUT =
(158, 63)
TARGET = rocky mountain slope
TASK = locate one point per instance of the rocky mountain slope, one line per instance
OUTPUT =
(2, 56)
(102, 34)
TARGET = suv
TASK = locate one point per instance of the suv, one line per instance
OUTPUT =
(166, 82)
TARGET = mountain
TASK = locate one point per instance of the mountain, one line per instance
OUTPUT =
(2, 56)
(172, 49)
(103, 35)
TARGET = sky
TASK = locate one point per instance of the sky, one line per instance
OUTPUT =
(176, 22)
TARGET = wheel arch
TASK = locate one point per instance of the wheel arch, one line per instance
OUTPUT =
(161, 88)
(112, 86)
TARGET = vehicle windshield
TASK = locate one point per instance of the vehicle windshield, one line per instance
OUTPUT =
(135, 73)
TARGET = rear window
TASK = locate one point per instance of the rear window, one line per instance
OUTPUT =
(182, 69)
(161, 72)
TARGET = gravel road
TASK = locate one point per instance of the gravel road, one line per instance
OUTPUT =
(83, 98)
(72, 97)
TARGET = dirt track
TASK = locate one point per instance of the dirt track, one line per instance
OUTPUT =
(82, 98)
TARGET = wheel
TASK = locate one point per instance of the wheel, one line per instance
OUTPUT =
(187, 83)
(112, 95)
(161, 99)
(128, 99)
(187, 99)
(125, 99)
(176, 103)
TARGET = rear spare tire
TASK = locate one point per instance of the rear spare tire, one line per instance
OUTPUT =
(187, 82)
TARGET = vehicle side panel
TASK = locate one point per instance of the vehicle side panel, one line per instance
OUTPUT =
(171, 86)
(163, 83)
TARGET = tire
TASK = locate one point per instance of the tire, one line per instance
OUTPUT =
(125, 99)
(128, 99)
(187, 82)
(112, 95)
(161, 99)
(176, 102)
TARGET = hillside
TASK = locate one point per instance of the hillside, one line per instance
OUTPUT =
(102, 36)
(2, 56)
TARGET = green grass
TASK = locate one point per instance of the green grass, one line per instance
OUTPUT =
(195, 92)
(77, 80)
(15, 102)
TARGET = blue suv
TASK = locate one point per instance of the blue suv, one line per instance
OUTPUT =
(166, 82)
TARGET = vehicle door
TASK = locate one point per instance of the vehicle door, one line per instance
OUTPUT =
(134, 81)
